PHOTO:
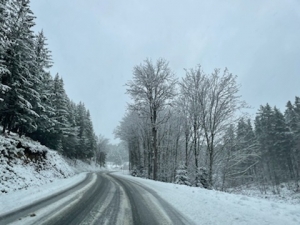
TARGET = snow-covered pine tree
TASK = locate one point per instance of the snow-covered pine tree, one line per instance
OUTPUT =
(292, 119)
(182, 176)
(247, 147)
(19, 58)
(282, 147)
(60, 103)
(4, 72)
(44, 83)
(70, 141)
(90, 135)
(275, 145)
(202, 178)
(87, 142)
(81, 123)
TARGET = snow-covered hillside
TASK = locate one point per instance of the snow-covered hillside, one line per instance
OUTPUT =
(25, 163)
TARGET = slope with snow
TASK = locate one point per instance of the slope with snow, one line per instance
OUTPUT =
(25, 163)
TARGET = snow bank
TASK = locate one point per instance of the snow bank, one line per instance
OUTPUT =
(214, 207)
(18, 199)
(79, 166)
(286, 192)
(25, 163)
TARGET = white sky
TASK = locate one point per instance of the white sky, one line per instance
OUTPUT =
(95, 45)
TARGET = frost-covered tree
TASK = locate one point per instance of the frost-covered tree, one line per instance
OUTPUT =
(152, 89)
(129, 131)
(239, 155)
(101, 150)
(214, 101)
(191, 89)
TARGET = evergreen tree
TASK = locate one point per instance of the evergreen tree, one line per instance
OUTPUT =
(44, 83)
(275, 145)
(4, 72)
(19, 58)
(182, 177)
(60, 103)
(282, 146)
(81, 123)
(292, 118)
(248, 147)
(70, 141)
(90, 136)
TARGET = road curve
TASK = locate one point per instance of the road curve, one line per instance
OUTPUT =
(108, 199)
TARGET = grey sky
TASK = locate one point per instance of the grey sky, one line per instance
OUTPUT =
(95, 45)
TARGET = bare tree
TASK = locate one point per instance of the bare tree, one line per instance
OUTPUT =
(218, 104)
(191, 87)
(152, 89)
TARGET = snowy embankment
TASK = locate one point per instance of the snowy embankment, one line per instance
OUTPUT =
(25, 163)
(18, 199)
(30, 171)
(214, 207)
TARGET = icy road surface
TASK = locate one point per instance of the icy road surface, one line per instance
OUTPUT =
(101, 198)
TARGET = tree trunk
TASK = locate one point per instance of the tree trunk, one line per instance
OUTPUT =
(186, 149)
(195, 145)
(155, 152)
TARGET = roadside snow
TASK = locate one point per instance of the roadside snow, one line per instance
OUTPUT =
(214, 207)
(18, 199)
(42, 215)
(30, 171)
(25, 163)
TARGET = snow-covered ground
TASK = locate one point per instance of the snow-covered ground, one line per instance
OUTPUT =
(18, 199)
(199, 205)
(24, 180)
(25, 163)
(30, 172)
(214, 207)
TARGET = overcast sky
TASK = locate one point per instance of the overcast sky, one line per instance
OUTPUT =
(96, 43)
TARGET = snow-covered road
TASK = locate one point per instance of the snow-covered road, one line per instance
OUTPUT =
(103, 199)
(134, 200)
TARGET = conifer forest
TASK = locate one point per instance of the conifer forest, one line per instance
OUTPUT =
(34, 102)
